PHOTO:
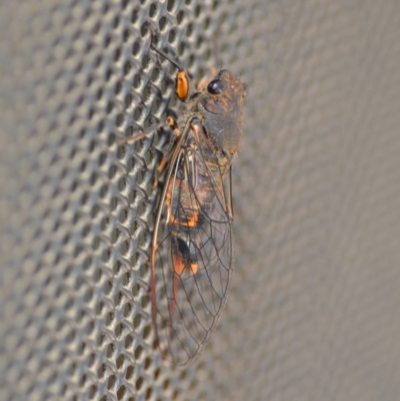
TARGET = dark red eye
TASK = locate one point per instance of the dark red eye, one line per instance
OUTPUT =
(215, 87)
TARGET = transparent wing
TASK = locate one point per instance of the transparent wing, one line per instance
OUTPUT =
(193, 259)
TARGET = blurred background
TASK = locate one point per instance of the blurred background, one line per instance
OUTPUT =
(313, 313)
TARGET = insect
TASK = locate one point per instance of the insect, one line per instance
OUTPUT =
(192, 246)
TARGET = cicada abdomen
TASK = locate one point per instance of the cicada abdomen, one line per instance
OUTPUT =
(194, 250)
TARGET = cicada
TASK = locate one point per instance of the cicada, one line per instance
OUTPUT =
(192, 246)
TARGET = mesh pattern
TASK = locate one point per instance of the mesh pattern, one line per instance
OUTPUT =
(313, 312)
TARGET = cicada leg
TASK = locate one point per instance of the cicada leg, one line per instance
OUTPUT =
(171, 122)
(182, 78)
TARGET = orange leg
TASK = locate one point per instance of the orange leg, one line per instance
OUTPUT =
(171, 122)
(141, 135)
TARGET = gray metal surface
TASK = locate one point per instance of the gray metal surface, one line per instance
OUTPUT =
(313, 312)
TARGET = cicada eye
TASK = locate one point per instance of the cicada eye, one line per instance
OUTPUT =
(216, 87)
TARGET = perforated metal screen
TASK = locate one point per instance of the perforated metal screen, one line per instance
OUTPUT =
(313, 313)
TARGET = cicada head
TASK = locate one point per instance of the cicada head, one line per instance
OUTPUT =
(220, 103)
